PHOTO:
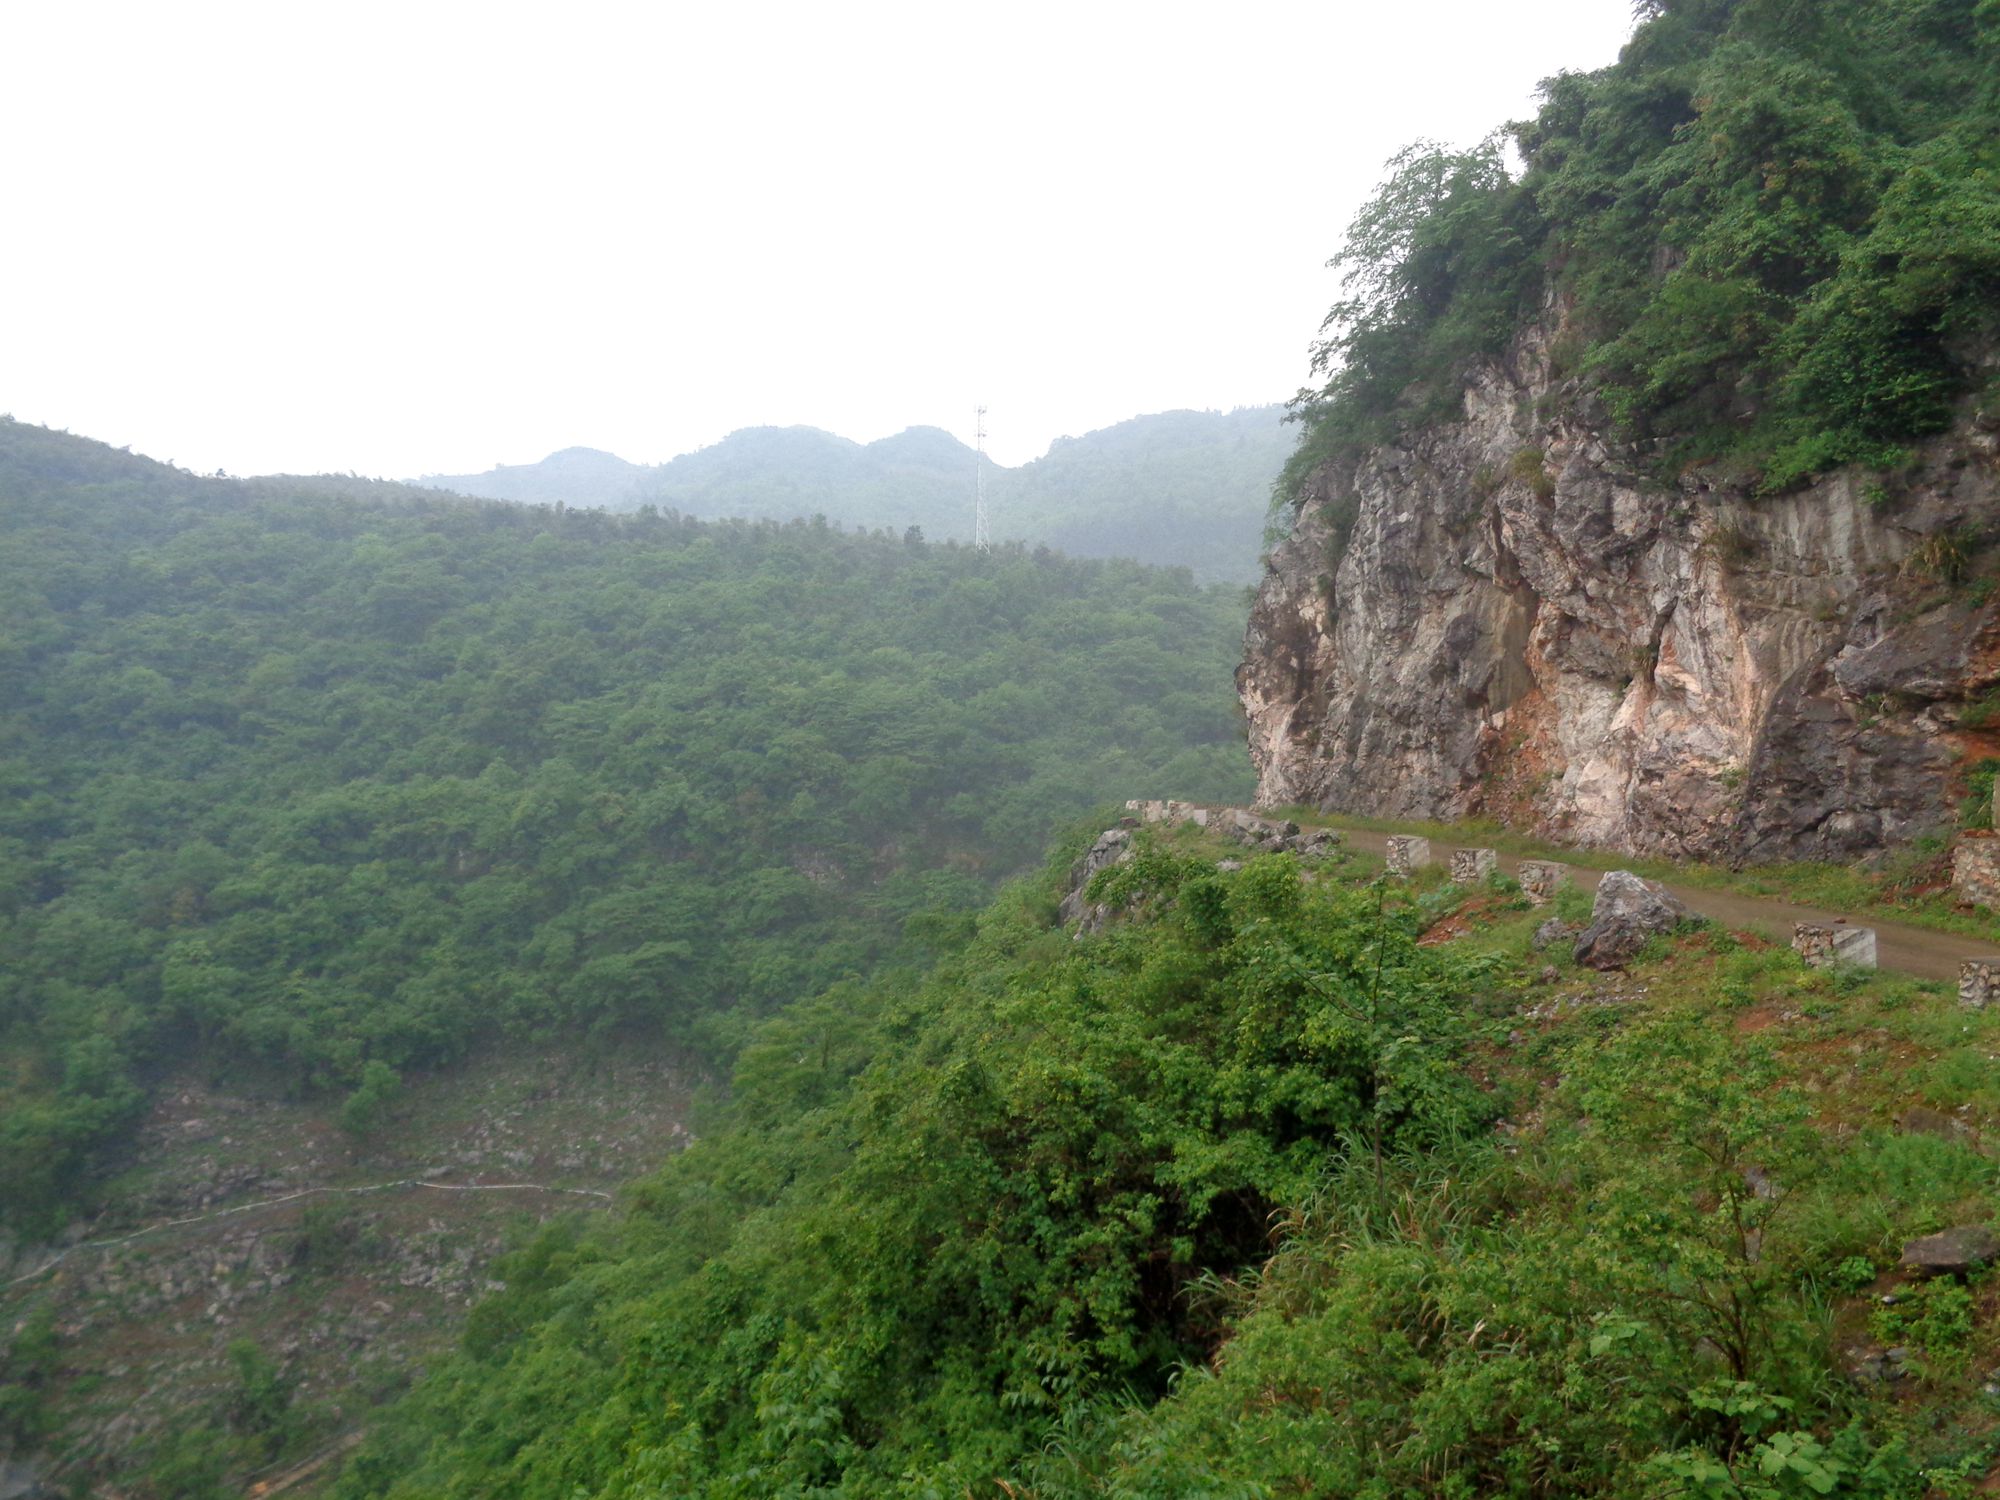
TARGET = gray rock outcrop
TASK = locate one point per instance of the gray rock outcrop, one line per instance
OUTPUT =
(1629, 909)
(1514, 615)
(1247, 827)
(1552, 932)
(1112, 847)
(1952, 1253)
(1253, 830)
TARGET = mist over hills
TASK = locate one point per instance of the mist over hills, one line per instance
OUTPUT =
(604, 477)
(1180, 488)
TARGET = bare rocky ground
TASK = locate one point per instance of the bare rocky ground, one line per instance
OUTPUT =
(347, 1263)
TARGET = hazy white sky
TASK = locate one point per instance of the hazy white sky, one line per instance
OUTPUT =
(410, 238)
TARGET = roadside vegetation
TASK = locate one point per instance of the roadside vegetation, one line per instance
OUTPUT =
(1910, 887)
(1292, 1181)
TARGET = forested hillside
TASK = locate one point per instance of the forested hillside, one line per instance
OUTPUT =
(312, 788)
(920, 477)
(756, 473)
(1271, 1175)
(1176, 488)
(1290, 1182)
(1182, 488)
(1773, 225)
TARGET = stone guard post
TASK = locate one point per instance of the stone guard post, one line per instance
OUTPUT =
(1975, 871)
(1539, 880)
(1470, 866)
(1407, 854)
(1978, 982)
(1831, 947)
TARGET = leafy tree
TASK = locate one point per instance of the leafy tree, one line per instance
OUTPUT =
(366, 1110)
(1770, 223)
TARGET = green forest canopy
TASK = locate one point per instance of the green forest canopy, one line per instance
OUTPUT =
(1777, 222)
(290, 784)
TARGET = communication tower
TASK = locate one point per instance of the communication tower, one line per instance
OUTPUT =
(981, 538)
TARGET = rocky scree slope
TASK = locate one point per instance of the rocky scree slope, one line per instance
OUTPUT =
(1514, 615)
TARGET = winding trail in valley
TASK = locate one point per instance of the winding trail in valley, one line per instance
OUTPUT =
(236, 1209)
(1921, 951)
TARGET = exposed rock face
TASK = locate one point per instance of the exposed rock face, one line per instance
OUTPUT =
(1628, 910)
(1113, 847)
(1528, 623)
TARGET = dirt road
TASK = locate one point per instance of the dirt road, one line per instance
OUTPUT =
(1907, 950)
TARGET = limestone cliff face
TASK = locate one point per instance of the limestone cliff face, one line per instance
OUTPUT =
(1527, 623)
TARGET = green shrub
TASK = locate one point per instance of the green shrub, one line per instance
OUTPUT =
(1935, 1316)
(366, 1111)
(25, 1375)
(1852, 1274)
(1529, 467)
(1572, 903)
(1944, 556)
(1975, 809)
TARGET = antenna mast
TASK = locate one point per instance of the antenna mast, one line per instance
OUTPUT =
(981, 538)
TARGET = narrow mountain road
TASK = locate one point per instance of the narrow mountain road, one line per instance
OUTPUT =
(1905, 949)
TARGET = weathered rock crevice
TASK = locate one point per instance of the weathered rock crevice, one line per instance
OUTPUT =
(1527, 622)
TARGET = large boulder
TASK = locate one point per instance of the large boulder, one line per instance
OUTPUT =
(1260, 833)
(1317, 844)
(1629, 909)
(1952, 1253)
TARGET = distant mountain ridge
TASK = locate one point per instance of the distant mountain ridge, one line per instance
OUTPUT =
(564, 475)
(1180, 488)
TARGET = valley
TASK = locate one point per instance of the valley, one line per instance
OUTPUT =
(252, 1242)
(599, 981)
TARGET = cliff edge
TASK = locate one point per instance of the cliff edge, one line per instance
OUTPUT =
(1512, 615)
